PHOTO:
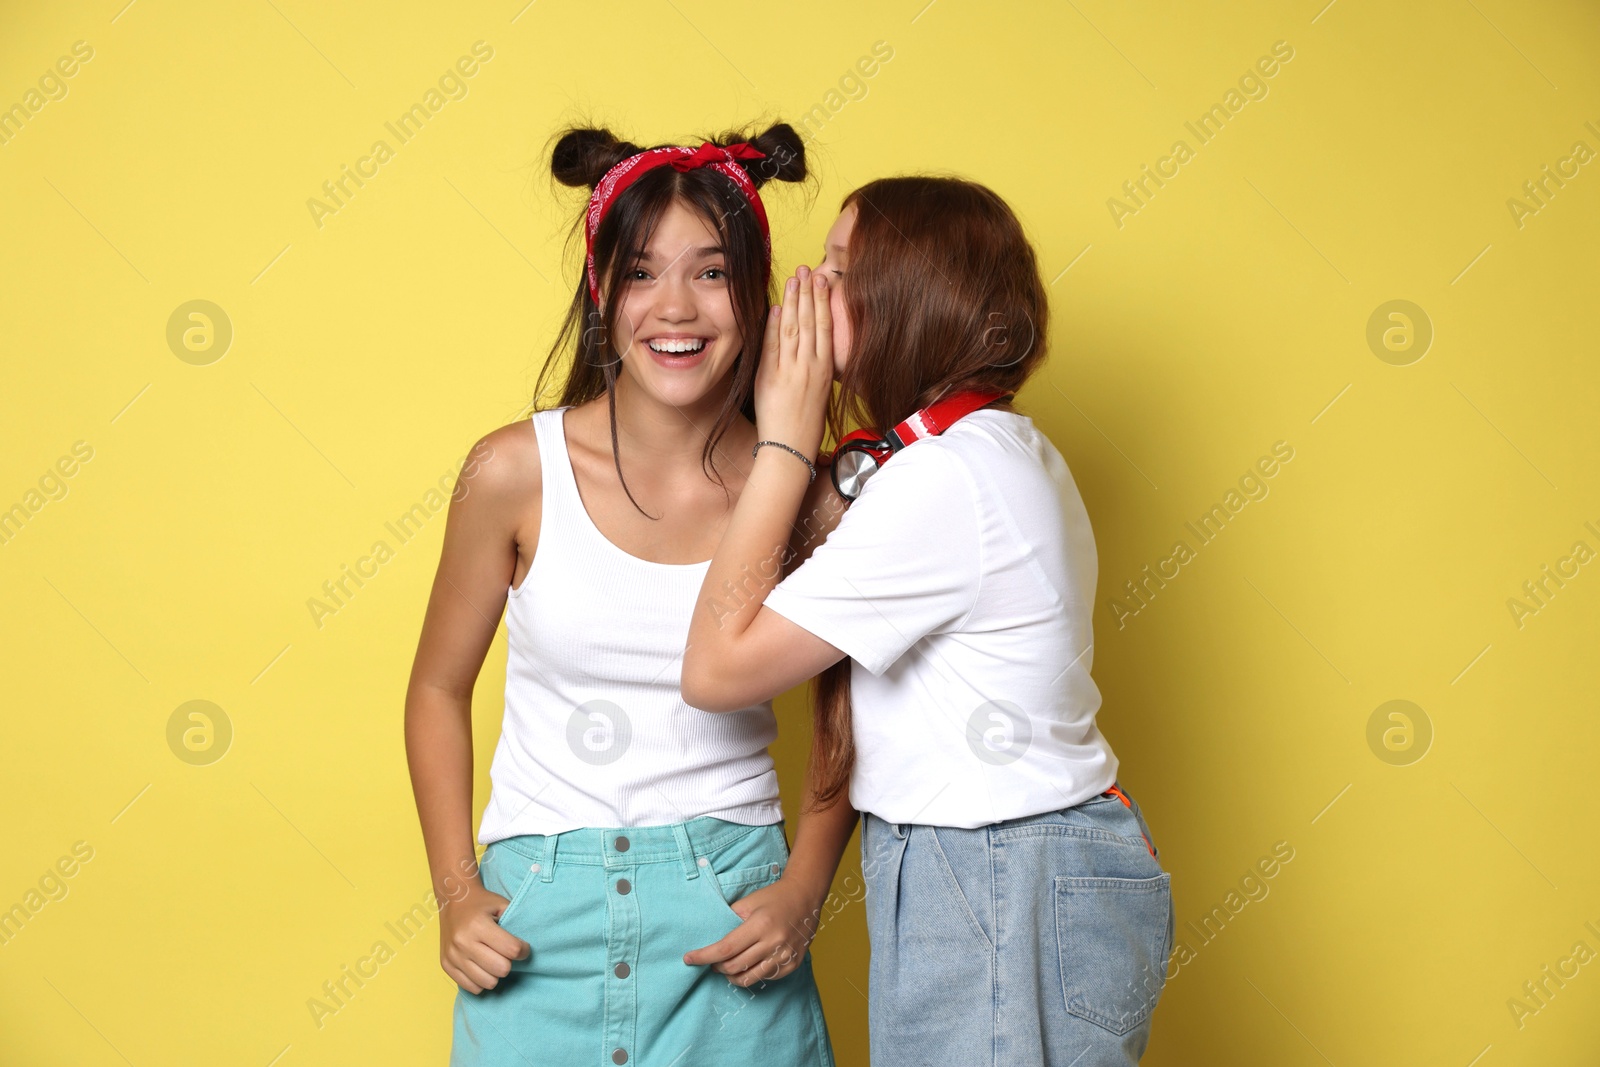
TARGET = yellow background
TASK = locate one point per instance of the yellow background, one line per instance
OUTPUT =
(1230, 312)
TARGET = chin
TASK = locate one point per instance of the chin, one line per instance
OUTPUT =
(680, 394)
(682, 387)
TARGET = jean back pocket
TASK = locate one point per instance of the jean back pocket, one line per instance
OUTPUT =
(1113, 938)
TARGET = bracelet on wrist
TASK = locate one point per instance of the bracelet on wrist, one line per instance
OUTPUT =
(793, 452)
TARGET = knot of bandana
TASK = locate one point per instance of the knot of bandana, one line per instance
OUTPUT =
(709, 153)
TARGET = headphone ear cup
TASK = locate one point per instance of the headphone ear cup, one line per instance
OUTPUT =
(853, 463)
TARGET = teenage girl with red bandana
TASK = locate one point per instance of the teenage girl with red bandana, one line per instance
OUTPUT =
(624, 828)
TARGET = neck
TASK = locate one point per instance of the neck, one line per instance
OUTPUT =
(664, 434)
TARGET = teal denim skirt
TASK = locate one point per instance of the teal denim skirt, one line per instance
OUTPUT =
(608, 914)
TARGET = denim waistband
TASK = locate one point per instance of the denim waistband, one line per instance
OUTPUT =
(628, 846)
(1115, 794)
(903, 829)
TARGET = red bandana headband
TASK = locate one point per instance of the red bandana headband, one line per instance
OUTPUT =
(630, 170)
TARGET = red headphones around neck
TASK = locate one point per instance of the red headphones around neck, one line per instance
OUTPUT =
(862, 452)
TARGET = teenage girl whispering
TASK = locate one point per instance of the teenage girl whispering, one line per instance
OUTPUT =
(623, 828)
(1016, 906)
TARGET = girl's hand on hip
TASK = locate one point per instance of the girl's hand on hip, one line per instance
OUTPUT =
(779, 922)
(795, 378)
(473, 950)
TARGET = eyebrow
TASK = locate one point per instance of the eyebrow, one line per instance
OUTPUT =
(840, 249)
(644, 255)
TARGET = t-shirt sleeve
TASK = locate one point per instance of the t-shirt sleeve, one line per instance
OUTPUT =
(903, 562)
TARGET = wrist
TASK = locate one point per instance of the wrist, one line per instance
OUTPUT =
(806, 441)
(800, 456)
(798, 433)
(458, 881)
(805, 905)
(788, 455)
(808, 888)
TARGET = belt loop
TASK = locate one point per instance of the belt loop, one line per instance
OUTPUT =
(547, 864)
(691, 862)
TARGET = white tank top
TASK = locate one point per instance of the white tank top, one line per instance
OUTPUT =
(596, 733)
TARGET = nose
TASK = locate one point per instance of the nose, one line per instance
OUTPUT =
(675, 298)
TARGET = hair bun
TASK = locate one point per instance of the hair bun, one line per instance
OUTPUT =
(582, 156)
(785, 152)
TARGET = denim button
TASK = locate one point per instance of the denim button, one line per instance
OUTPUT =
(622, 844)
(619, 1056)
(623, 887)
(534, 868)
(703, 862)
(621, 970)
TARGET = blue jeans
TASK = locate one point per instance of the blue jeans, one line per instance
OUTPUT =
(1031, 942)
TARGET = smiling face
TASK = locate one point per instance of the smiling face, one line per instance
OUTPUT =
(835, 260)
(680, 337)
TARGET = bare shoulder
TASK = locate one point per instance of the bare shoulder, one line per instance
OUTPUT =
(502, 466)
(495, 510)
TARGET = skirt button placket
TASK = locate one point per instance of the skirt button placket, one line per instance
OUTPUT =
(622, 944)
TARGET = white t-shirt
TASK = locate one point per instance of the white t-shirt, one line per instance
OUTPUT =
(961, 583)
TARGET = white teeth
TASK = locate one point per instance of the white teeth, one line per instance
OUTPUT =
(677, 347)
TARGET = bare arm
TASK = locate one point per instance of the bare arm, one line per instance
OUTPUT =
(476, 565)
(819, 841)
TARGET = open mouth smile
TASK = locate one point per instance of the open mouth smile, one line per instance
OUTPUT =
(677, 346)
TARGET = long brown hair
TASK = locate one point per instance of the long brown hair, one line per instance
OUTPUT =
(580, 159)
(943, 294)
